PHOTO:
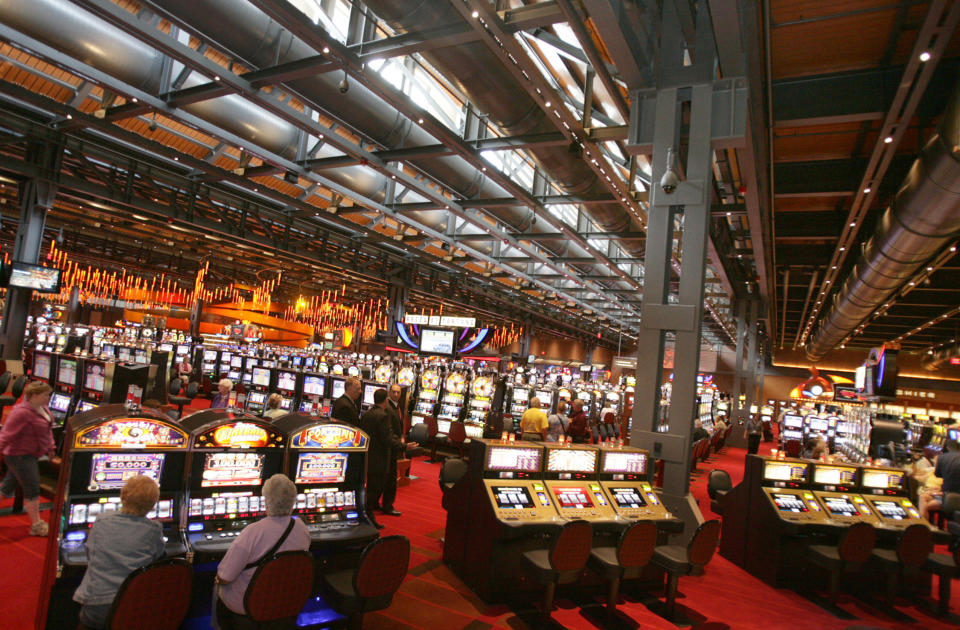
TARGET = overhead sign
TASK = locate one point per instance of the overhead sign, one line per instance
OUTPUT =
(336, 436)
(446, 321)
(416, 320)
(458, 322)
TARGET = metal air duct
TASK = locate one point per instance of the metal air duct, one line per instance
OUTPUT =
(923, 218)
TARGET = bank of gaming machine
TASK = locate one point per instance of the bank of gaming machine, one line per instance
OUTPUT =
(623, 476)
(427, 395)
(231, 455)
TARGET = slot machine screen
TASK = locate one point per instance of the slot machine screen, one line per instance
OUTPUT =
(835, 475)
(60, 402)
(225, 358)
(285, 403)
(257, 398)
(287, 381)
(210, 355)
(792, 421)
(840, 506)
(545, 397)
(338, 387)
(629, 497)
(573, 497)
(309, 363)
(236, 362)
(521, 394)
(297, 360)
(261, 377)
(524, 459)
(123, 354)
(313, 385)
(620, 462)
(231, 468)
(181, 350)
(165, 347)
(785, 471)
(233, 375)
(85, 406)
(41, 366)
(512, 497)
(109, 471)
(93, 379)
(109, 350)
(882, 479)
(819, 424)
(890, 509)
(67, 374)
(789, 503)
(368, 390)
(139, 355)
(443, 426)
(321, 468)
(571, 460)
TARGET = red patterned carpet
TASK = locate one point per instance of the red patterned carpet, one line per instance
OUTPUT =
(433, 598)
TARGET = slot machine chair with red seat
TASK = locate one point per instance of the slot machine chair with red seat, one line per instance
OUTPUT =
(278, 590)
(563, 562)
(182, 401)
(371, 585)
(853, 550)
(718, 485)
(677, 561)
(913, 547)
(154, 597)
(945, 567)
(9, 400)
(625, 561)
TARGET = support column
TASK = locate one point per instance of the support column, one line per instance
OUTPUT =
(196, 310)
(525, 340)
(73, 306)
(683, 93)
(745, 368)
(35, 196)
(397, 296)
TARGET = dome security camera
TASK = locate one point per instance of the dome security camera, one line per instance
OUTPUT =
(669, 181)
(344, 86)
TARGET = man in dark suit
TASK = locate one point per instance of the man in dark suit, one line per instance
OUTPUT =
(376, 424)
(396, 430)
(347, 407)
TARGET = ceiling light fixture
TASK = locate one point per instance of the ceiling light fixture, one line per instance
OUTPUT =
(925, 56)
(888, 140)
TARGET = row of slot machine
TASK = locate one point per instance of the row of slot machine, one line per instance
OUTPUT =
(450, 394)
(800, 426)
(595, 397)
(210, 468)
(514, 492)
(922, 434)
(783, 505)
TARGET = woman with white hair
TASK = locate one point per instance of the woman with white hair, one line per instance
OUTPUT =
(255, 544)
(222, 399)
(119, 543)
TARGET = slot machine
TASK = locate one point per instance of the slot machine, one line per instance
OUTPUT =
(481, 399)
(108, 381)
(249, 364)
(451, 403)
(886, 491)
(314, 392)
(67, 384)
(338, 385)
(547, 397)
(108, 350)
(816, 426)
(570, 476)
(519, 402)
(366, 395)
(565, 394)
(223, 367)
(337, 369)
(587, 397)
(792, 427)
(785, 484)
(613, 400)
(258, 390)
(383, 373)
(235, 370)
(230, 456)
(44, 366)
(835, 486)
(124, 354)
(406, 376)
(288, 385)
(624, 478)
(61, 342)
(353, 370)
(327, 462)
(208, 365)
(427, 394)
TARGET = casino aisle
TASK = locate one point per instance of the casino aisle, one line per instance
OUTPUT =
(433, 597)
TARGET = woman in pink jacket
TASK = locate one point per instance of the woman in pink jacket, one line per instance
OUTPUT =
(26, 436)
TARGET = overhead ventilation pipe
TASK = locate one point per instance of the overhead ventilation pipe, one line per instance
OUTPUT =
(923, 218)
(254, 37)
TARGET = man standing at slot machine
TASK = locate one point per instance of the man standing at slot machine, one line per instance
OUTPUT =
(375, 422)
(347, 407)
(396, 435)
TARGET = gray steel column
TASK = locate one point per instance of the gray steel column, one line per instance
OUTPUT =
(525, 340)
(36, 196)
(678, 87)
(397, 298)
(73, 306)
(741, 351)
(196, 311)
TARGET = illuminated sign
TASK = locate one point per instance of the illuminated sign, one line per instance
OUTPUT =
(458, 322)
(416, 320)
(131, 433)
(337, 436)
(239, 435)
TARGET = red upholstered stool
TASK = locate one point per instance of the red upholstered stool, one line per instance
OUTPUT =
(626, 560)
(279, 589)
(155, 597)
(563, 562)
(372, 584)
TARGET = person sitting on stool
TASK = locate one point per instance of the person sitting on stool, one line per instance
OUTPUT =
(273, 407)
(948, 469)
(119, 543)
(222, 399)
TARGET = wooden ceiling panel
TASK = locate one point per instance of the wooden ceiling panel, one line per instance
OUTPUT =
(837, 45)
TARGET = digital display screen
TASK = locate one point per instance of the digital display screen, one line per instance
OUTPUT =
(789, 503)
(835, 475)
(287, 381)
(321, 468)
(818, 424)
(313, 385)
(338, 387)
(60, 402)
(261, 377)
(123, 353)
(882, 479)
(784, 471)
(621, 462)
(67, 373)
(209, 355)
(521, 395)
(85, 406)
(93, 379)
(40, 279)
(368, 390)
(256, 397)
(85, 513)
(515, 497)
(573, 497)
(236, 361)
(840, 506)
(504, 458)
(436, 341)
(545, 398)
(890, 509)
(109, 471)
(41, 366)
(571, 460)
(232, 469)
(627, 497)
(792, 421)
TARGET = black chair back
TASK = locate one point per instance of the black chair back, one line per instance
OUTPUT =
(719, 480)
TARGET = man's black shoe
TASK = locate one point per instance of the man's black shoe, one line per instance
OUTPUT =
(378, 525)
(392, 512)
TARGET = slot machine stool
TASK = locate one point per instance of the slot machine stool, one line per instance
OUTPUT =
(563, 562)
(677, 561)
(154, 597)
(372, 584)
(632, 553)
(279, 589)
(853, 550)
(915, 544)
(945, 568)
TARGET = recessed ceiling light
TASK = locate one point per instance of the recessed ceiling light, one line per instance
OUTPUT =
(924, 56)
(866, 190)
(475, 14)
(888, 140)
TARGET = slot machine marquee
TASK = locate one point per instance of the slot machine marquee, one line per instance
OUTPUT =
(511, 477)
(103, 448)
(623, 477)
(230, 457)
(327, 462)
(570, 475)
